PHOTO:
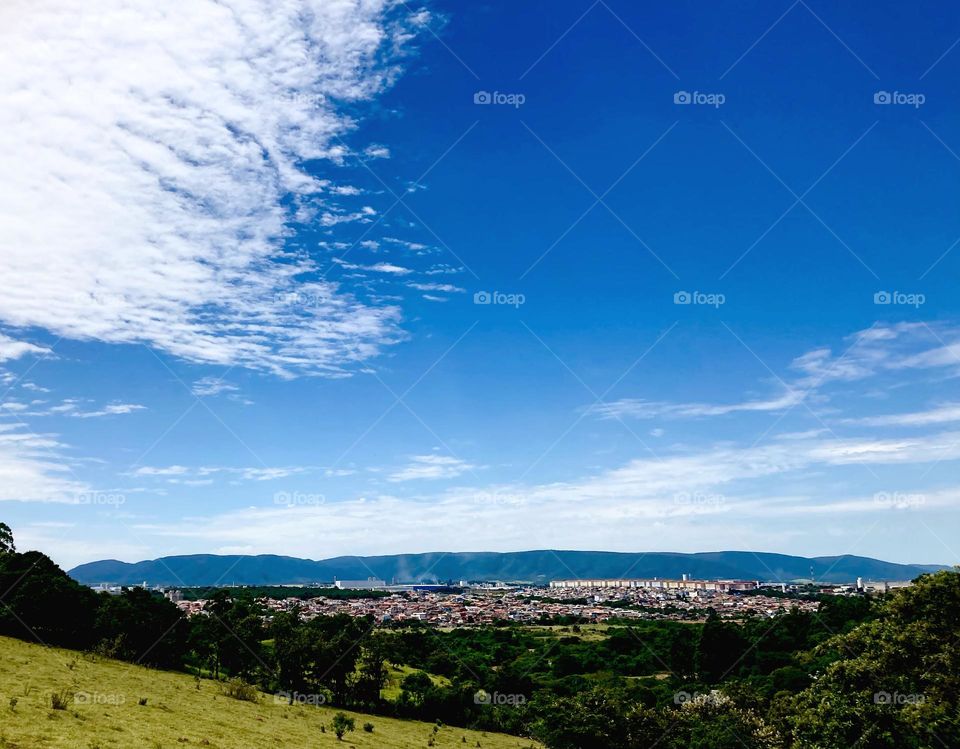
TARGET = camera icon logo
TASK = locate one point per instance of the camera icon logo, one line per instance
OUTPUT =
(482, 97)
(882, 297)
(682, 297)
(882, 97)
(482, 697)
(482, 297)
(682, 97)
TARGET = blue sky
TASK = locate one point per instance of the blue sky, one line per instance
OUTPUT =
(247, 249)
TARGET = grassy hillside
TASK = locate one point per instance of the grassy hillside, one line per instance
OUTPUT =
(103, 711)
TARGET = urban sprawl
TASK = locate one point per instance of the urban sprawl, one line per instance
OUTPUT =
(594, 601)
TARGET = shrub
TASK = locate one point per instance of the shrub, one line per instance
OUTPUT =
(341, 724)
(368, 727)
(238, 689)
(60, 700)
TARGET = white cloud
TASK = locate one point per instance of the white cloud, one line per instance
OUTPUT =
(114, 409)
(390, 268)
(161, 471)
(377, 151)
(447, 287)
(149, 154)
(946, 413)
(633, 507)
(211, 386)
(265, 473)
(13, 349)
(431, 467)
(406, 244)
(640, 409)
(869, 353)
(32, 469)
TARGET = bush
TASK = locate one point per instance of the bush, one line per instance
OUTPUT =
(60, 700)
(238, 689)
(341, 724)
(368, 727)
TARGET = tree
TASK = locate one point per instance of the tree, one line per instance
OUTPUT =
(894, 681)
(6, 540)
(414, 688)
(341, 724)
(372, 669)
(720, 649)
(43, 603)
(142, 627)
(334, 649)
(231, 637)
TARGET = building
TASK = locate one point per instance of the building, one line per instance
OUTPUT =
(686, 584)
(371, 583)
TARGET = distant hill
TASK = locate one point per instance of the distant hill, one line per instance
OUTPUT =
(530, 566)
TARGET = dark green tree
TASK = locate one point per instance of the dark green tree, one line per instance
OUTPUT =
(341, 724)
(42, 603)
(720, 649)
(6, 540)
(371, 674)
(895, 681)
(142, 627)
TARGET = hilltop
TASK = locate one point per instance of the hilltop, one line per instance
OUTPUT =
(102, 710)
(528, 566)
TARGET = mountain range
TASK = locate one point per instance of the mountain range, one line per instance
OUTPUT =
(526, 566)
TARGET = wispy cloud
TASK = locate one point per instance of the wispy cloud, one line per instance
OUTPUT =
(431, 467)
(33, 469)
(114, 409)
(14, 349)
(944, 414)
(199, 474)
(180, 173)
(869, 353)
(211, 386)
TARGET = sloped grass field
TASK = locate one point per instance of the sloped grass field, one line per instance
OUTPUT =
(101, 700)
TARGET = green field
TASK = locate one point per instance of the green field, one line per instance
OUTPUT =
(396, 675)
(103, 710)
